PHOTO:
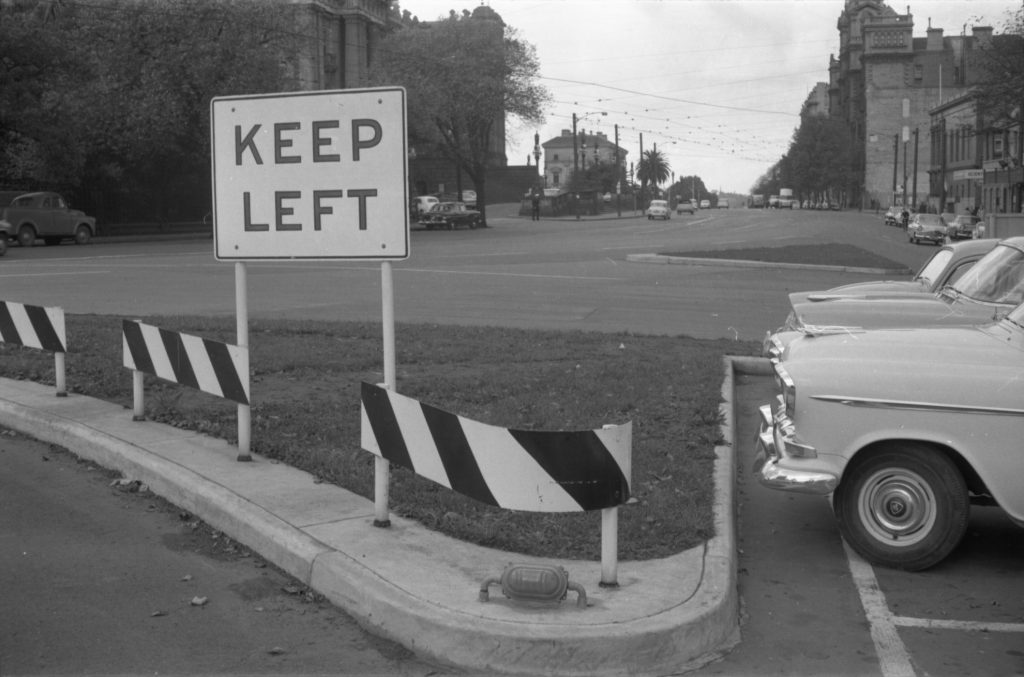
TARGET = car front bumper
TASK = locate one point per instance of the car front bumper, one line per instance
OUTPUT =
(774, 468)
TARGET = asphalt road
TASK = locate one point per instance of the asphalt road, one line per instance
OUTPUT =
(517, 273)
(99, 580)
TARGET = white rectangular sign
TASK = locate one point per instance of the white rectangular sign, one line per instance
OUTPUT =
(310, 175)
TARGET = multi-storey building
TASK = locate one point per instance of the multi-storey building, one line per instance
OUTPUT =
(883, 84)
(563, 155)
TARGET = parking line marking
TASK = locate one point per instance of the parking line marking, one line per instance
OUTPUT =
(974, 626)
(892, 655)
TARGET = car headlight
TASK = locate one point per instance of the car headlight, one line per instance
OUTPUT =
(787, 387)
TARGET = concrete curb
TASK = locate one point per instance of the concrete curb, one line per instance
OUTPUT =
(409, 584)
(737, 263)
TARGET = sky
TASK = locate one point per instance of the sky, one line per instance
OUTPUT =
(716, 85)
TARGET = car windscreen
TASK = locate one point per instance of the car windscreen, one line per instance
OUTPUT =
(931, 271)
(997, 278)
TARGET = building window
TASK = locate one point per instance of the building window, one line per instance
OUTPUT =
(918, 71)
(556, 157)
(556, 177)
(997, 147)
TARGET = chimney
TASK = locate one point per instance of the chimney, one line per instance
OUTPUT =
(934, 39)
(982, 35)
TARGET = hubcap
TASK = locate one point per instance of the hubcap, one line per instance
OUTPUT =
(897, 507)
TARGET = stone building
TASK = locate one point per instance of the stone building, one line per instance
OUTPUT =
(342, 39)
(884, 83)
(562, 155)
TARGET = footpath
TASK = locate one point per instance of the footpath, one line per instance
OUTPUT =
(408, 583)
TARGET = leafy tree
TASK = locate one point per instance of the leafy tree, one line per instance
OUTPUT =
(122, 106)
(459, 85)
(1000, 70)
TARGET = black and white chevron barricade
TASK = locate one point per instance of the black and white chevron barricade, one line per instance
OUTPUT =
(220, 369)
(533, 470)
(37, 327)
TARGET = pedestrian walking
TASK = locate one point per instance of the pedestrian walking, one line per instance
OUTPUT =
(535, 200)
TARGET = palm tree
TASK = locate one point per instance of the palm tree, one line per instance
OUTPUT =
(654, 168)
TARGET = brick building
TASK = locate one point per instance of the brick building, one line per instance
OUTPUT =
(884, 83)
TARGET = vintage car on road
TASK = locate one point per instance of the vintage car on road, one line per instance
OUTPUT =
(905, 429)
(926, 228)
(945, 267)
(48, 216)
(962, 227)
(986, 292)
(688, 206)
(451, 215)
(658, 209)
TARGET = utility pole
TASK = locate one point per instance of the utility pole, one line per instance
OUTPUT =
(915, 165)
(575, 151)
(895, 164)
(618, 175)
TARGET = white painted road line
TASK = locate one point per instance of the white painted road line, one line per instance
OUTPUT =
(970, 626)
(892, 654)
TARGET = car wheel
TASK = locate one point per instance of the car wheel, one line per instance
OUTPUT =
(3, 243)
(82, 235)
(905, 507)
(26, 236)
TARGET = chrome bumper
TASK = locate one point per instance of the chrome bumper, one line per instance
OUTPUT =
(771, 467)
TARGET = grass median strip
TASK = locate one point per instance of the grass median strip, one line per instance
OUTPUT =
(305, 380)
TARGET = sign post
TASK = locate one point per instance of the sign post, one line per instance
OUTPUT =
(312, 176)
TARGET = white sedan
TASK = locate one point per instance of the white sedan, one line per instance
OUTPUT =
(659, 210)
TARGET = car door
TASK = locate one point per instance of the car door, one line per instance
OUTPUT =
(42, 215)
(60, 218)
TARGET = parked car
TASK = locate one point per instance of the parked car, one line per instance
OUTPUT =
(723, 203)
(606, 198)
(658, 209)
(945, 267)
(705, 204)
(962, 227)
(451, 215)
(773, 201)
(422, 204)
(985, 293)
(468, 197)
(689, 206)
(926, 228)
(48, 216)
(905, 429)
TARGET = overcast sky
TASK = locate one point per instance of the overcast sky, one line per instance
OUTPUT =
(716, 84)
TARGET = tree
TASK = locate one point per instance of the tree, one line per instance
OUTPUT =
(121, 107)
(459, 86)
(653, 169)
(999, 91)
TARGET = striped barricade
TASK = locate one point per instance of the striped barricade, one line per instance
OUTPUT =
(531, 470)
(37, 327)
(217, 368)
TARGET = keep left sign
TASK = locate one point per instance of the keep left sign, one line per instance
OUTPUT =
(310, 175)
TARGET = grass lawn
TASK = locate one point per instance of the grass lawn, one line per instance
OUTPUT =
(830, 255)
(305, 379)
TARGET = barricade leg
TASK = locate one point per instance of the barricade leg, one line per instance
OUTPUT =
(610, 548)
(138, 405)
(60, 374)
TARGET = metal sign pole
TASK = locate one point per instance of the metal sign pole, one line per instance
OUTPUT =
(382, 471)
(242, 331)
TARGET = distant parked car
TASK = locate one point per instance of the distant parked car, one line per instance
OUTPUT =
(606, 198)
(659, 210)
(688, 206)
(926, 228)
(723, 203)
(48, 216)
(422, 204)
(893, 216)
(962, 227)
(451, 215)
(705, 204)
